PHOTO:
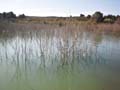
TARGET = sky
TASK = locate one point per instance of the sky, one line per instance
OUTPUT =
(60, 7)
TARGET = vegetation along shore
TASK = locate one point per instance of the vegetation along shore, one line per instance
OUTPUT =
(98, 22)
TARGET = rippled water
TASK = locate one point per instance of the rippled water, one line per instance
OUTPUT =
(59, 60)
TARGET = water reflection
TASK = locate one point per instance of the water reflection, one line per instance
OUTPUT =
(58, 60)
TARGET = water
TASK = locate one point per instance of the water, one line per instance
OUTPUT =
(59, 60)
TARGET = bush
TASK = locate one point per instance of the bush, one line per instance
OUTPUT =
(109, 19)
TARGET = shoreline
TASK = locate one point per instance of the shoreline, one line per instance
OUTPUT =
(50, 23)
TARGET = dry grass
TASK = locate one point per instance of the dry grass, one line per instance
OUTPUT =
(51, 23)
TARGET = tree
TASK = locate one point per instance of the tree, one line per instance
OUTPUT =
(98, 17)
(10, 15)
(22, 16)
(82, 15)
(88, 16)
(4, 14)
(1, 15)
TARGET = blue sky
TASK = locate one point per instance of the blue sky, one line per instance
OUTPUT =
(60, 7)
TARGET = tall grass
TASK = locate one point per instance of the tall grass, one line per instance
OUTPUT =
(42, 50)
(47, 45)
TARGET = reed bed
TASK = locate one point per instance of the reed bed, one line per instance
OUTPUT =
(44, 50)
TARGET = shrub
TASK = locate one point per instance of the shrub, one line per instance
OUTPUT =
(109, 19)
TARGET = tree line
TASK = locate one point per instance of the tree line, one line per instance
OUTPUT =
(98, 17)
(10, 15)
